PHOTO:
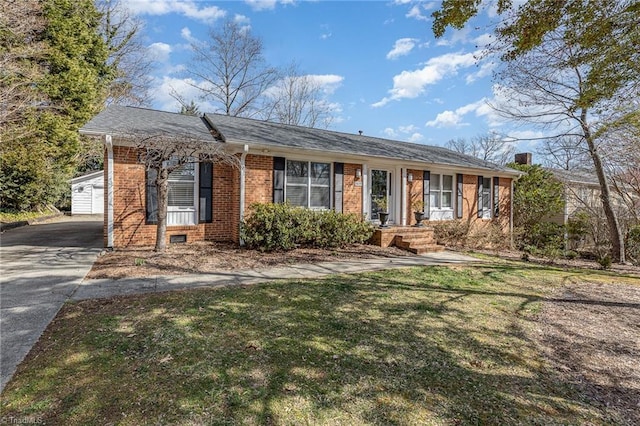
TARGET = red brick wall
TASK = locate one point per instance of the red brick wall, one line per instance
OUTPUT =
(352, 194)
(226, 204)
(258, 180)
(130, 228)
(470, 204)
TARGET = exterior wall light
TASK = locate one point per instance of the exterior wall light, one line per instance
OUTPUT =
(358, 173)
(410, 177)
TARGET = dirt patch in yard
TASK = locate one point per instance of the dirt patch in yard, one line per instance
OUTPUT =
(207, 257)
(591, 334)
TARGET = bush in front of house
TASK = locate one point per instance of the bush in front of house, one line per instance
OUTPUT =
(452, 233)
(542, 239)
(271, 227)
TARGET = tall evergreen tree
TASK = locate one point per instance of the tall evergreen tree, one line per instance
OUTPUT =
(68, 90)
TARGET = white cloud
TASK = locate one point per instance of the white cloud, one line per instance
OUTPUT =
(446, 119)
(411, 84)
(184, 87)
(188, 8)
(416, 13)
(159, 52)
(484, 40)
(402, 47)
(241, 19)
(259, 5)
(416, 137)
(409, 133)
(185, 33)
(454, 118)
(458, 36)
(390, 133)
(328, 82)
(485, 70)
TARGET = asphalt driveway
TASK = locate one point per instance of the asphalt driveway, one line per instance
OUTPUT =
(40, 267)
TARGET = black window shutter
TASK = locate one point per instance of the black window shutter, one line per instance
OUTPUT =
(426, 190)
(480, 178)
(338, 180)
(459, 195)
(151, 196)
(205, 192)
(496, 196)
(278, 179)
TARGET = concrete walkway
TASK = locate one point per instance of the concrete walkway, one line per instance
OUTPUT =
(104, 288)
(40, 267)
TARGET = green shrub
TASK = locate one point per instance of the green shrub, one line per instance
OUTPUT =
(542, 236)
(605, 262)
(271, 227)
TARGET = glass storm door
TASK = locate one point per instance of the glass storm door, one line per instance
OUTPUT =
(380, 189)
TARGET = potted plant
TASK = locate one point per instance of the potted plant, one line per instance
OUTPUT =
(418, 211)
(383, 212)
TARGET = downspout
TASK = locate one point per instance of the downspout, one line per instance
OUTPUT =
(366, 211)
(512, 242)
(243, 158)
(403, 197)
(109, 145)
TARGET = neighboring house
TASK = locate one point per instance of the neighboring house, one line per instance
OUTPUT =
(314, 168)
(581, 193)
(87, 193)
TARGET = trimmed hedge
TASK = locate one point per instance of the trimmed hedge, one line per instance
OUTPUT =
(271, 227)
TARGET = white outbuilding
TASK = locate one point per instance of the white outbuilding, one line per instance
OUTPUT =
(87, 193)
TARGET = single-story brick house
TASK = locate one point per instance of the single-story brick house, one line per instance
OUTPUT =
(315, 168)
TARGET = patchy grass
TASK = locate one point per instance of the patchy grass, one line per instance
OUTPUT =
(430, 345)
(8, 216)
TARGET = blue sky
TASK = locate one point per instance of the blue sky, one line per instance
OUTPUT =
(380, 65)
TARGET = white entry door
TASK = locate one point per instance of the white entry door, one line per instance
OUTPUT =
(97, 200)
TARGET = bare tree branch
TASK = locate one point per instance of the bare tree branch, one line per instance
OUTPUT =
(231, 70)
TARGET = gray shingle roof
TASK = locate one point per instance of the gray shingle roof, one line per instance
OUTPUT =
(281, 135)
(576, 176)
(119, 120)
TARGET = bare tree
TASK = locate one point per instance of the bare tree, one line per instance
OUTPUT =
(546, 87)
(128, 57)
(163, 154)
(565, 152)
(231, 70)
(299, 100)
(490, 147)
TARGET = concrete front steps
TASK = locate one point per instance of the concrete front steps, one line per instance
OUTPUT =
(418, 240)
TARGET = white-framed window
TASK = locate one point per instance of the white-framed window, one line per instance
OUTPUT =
(308, 184)
(440, 197)
(486, 198)
(182, 205)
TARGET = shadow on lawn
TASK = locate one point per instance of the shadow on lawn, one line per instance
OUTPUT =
(422, 345)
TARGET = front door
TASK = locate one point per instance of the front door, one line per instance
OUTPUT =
(380, 192)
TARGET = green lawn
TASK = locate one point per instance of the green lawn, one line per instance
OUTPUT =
(429, 345)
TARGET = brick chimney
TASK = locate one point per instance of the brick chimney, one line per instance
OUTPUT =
(523, 158)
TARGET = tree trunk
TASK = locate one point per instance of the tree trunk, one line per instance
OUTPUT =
(615, 233)
(162, 187)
